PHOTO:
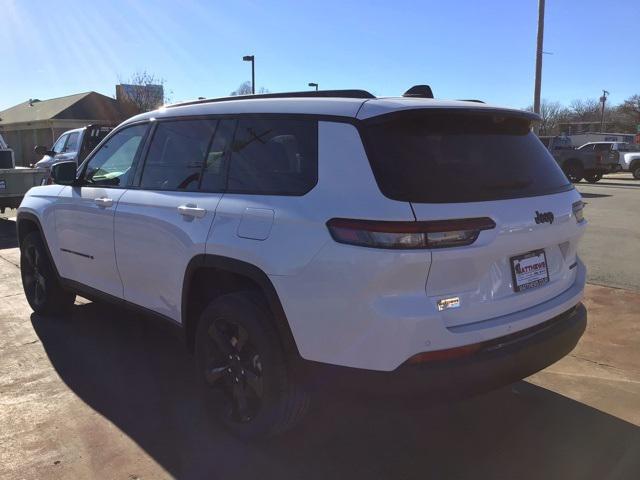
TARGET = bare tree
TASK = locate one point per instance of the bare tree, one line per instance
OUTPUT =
(629, 113)
(551, 113)
(585, 110)
(245, 89)
(142, 92)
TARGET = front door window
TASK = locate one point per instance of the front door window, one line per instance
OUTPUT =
(112, 164)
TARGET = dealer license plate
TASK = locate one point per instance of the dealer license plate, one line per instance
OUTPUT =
(529, 270)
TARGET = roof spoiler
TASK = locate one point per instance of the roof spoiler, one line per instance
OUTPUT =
(419, 91)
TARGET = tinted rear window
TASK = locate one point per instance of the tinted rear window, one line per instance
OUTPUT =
(274, 156)
(449, 157)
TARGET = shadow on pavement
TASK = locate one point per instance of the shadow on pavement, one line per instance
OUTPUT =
(594, 195)
(609, 185)
(8, 236)
(140, 377)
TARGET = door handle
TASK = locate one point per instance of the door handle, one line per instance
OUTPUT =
(191, 210)
(103, 202)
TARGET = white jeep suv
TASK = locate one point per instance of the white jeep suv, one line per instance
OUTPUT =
(406, 246)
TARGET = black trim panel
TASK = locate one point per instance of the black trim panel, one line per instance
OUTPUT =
(85, 255)
(98, 295)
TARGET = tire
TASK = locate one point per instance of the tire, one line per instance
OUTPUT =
(635, 171)
(574, 172)
(593, 177)
(41, 285)
(242, 369)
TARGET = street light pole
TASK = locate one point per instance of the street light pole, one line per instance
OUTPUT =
(252, 59)
(603, 99)
(538, 80)
(311, 84)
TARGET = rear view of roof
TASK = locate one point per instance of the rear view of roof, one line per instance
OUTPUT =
(346, 103)
(342, 107)
(81, 106)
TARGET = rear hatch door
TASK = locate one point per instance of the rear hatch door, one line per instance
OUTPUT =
(459, 165)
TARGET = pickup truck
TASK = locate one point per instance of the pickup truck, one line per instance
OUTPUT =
(72, 145)
(587, 162)
(6, 155)
(15, 181)
(627, 154)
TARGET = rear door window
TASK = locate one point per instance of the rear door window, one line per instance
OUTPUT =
(451, 157)
(602, 147)
(214, 174)
(177, 154)
(274, 156)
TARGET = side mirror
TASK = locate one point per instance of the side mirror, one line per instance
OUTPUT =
(64, 173)
(42, 150)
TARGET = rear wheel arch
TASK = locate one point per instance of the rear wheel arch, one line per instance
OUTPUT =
(208, 276)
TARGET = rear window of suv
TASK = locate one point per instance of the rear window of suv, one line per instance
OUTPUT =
(452, 157)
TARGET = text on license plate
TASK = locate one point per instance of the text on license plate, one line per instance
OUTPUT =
(529, 270)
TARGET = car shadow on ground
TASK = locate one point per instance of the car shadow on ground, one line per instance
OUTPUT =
(8, 238)
(610, 185)
(593, 195)
(139, 376)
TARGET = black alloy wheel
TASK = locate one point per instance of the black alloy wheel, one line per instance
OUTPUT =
(233, 365)
(244, 372)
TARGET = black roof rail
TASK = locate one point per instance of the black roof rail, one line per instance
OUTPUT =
(471, 100)
(310, 94)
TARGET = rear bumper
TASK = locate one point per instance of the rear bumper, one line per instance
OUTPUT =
(500, 362)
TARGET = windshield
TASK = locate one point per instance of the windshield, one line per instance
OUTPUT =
(450, 157)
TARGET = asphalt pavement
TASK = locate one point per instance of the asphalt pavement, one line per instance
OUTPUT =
(611, 246)
(104, 393)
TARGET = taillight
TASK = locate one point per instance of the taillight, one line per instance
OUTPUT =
(578, 211)
(408, 235)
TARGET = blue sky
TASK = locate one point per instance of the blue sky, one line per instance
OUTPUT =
(463, 49)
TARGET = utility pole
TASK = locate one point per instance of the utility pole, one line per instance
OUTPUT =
(538, 81)
(603, 99)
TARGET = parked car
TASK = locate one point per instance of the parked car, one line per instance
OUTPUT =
(72, 145)
(554, 143)
(397, 246)
(588, 162)
(627, 154)
(15, 181)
